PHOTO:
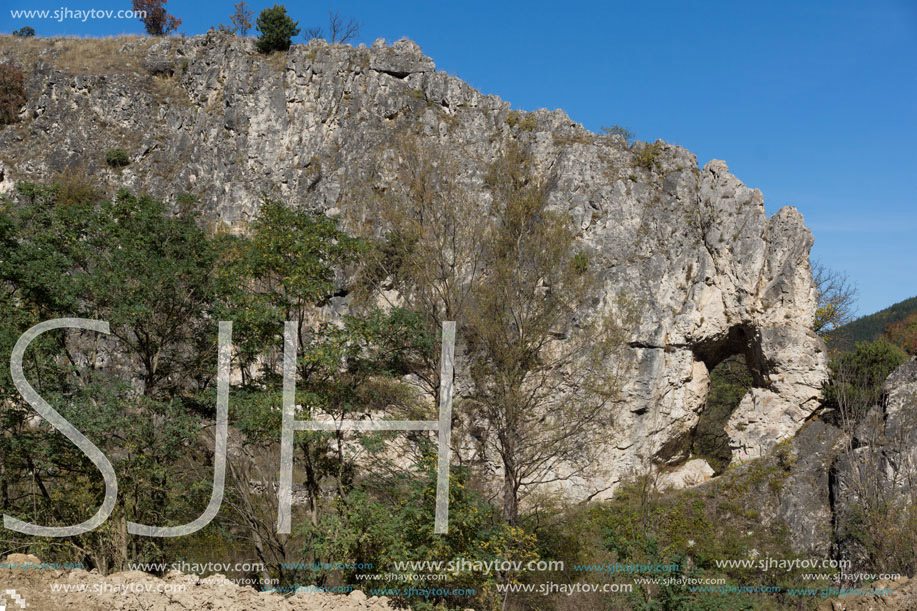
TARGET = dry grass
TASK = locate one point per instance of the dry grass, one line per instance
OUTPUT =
(278, 60)
(168, 90)
(78, 55)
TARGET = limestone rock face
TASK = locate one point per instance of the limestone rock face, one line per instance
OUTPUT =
(711, 273)
(878, 468)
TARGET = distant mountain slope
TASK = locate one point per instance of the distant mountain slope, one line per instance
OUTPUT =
(868, 328)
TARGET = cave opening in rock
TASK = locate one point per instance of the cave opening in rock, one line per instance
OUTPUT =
(735, 365)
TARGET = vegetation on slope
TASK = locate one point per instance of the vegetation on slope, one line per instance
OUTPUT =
(871, 327)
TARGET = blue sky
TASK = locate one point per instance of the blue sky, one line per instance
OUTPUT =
(815, 103)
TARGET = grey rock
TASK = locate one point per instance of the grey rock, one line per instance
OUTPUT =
(877, 471)
(712, 274)
(159, 65)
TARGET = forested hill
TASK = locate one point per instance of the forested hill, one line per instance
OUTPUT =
(871, 327)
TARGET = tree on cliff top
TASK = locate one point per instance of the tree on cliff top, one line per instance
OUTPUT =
(277, 29)
(155, 18)
(242, 18)
(339, 31)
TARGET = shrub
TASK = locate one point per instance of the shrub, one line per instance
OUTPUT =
(75, 187)
(117, 158)
(277, 29)
(390, 520)
(24, 32)
(523, 121)
(729, 381)
(646, 156)
(12, 92)
(857, 377)
(618, 130)
(580, 262)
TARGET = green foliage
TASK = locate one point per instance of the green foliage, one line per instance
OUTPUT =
(277, 29)
(645, 157)
(12, 92)
(871, 327)
(149, 275)
(161, 282)
(688, 531)
(729, 381)
(857, 377)
(580, 262)
(24, 32)
(389, 519)
(117, 158)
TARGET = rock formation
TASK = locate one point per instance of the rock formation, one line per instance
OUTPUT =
(713, 275)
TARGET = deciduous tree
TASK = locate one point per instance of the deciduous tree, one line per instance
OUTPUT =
(155, 18)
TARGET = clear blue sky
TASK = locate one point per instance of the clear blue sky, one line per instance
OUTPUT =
(815, 103)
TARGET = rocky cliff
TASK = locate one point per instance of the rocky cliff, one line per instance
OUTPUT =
(208, 116)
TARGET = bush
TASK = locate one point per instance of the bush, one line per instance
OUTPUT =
(524, 121)
(12, 92)
(618, 130)
(277, 29)
(857, 377)
(117, 158)
(24, 32)
(646, 156)
(391, 520)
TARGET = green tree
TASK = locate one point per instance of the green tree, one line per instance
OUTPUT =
(134, 393)
(288, 268)
(24, 32)
(856, 380)
(277, 29)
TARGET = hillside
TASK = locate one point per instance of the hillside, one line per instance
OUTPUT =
(870, 327)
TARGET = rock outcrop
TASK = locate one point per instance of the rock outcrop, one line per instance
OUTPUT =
(827, 483)
(713, 275)
(876, 474)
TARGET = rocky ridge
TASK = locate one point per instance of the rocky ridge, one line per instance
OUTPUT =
(713, 275)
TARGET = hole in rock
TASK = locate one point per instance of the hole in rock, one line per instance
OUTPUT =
(735, 365)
